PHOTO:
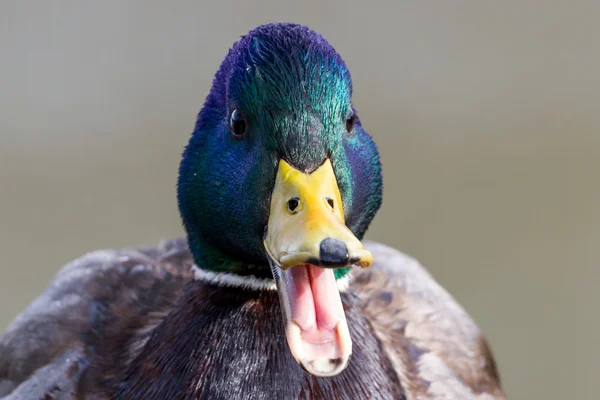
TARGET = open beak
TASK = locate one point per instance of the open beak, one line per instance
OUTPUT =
(306, 239)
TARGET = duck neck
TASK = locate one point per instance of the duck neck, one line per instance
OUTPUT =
(211, 259)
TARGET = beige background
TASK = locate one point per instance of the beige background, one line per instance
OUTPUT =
(486, 114)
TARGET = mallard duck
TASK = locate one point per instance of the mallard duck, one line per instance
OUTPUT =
(272, 291)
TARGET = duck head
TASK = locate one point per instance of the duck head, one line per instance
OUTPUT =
(280, 181)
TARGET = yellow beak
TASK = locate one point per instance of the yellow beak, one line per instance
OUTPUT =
(307, 237)
(306, 223)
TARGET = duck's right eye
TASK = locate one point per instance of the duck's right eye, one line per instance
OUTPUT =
(237, 123)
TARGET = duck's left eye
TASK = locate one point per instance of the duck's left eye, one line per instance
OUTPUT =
(350, 120)
(237, 123)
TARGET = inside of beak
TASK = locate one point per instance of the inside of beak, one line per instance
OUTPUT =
(306, 238)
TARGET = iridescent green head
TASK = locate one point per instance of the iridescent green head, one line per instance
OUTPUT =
(280, 180)
(282, 93)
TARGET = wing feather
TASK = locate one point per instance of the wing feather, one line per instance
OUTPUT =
(437, 349)
(50, 341)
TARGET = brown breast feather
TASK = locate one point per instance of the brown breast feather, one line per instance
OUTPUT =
(437, 350)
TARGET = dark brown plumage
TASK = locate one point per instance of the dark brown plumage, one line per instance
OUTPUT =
(134, 324)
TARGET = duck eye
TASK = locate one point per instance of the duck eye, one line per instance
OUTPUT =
(350, 120)
(237, 123)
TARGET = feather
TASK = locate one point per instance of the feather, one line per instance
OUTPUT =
(105, 317)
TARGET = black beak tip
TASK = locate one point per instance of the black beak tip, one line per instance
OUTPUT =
(333, 253)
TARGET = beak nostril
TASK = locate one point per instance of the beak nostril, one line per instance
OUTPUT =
(293, 204)
(330, 202)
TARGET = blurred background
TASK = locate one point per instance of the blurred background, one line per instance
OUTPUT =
(487, 115)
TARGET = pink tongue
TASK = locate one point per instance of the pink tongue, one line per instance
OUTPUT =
(315, 325)
(314, 302)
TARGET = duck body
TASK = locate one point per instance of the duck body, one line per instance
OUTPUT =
(276, 188)
(133, 323)
(253, 362)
